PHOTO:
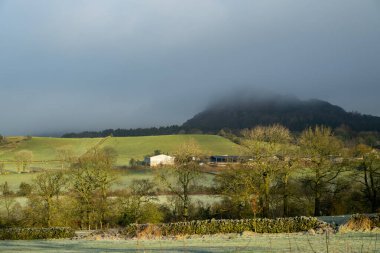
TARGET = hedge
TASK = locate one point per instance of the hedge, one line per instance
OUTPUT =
(203, 227)
(36, 233)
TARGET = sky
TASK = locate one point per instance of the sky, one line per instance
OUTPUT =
(78, 65)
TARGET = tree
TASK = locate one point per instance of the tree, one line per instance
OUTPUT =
(48, 186)
(111, 154)
(367, 163)
(180, 178)
(24, 189)
(91, 180)
(289, 161)
(66, 155)
(237, 185)
(3, 140)
(5, 189)
(7, 199)
(137, 203)
(23, 158)
(323, 154)
(262, 145)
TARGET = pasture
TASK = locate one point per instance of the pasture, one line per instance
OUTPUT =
(124, 178)
(299, 242)
(137, 147)
(45, 148)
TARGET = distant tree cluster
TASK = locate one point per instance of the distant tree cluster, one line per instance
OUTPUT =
(127, 132)
(3, 140)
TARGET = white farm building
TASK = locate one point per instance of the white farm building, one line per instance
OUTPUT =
(159, 160)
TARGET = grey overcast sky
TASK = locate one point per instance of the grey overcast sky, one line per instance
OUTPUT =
(78, 65)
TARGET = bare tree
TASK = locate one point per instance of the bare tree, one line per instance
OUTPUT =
(48, 186)
(323, 157)
(237, 185)
(367, 164)
(261, 146)
(183, 175)
(66, 156)
(7, 199)
(290, 161)
(137, 200)
(23, 158)
(92, 178)
(1, 168)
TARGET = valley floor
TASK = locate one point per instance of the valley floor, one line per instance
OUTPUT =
(250, 242)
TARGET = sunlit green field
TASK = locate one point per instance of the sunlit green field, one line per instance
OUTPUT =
(348, 243)
(45, 148)
(138, 147)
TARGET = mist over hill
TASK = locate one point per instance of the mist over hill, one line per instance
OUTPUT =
(246, 111)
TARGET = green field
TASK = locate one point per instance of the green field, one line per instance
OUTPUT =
(334, 243)
(124, 178)
(138, 147)
(45, 148)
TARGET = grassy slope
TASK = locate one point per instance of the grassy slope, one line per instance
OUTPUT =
(127, 147)
(44, 148)
(138, 147)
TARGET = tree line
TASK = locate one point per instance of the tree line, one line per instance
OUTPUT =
(174, 129)
(312, 173)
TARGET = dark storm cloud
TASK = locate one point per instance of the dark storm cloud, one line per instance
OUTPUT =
(88, 65)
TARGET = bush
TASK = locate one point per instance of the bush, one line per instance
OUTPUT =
(35, 233)
(203, 227)
(24, 189)
(360, 222)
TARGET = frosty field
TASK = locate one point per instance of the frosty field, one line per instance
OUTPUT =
(334, 243)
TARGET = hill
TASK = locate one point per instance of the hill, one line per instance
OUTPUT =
(246, 112)
(45, 148)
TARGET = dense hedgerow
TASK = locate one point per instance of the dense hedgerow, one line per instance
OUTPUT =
(35, 233)
(203, 227)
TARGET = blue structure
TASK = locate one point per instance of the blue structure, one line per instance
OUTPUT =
(224, 159)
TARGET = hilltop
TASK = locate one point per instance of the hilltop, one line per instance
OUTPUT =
(248, 111)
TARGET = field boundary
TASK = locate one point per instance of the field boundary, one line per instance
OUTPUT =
(97, 145)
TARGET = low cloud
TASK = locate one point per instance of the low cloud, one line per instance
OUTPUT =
(87, 65)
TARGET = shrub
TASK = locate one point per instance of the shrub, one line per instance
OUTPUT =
(35, 233)
(202, 227)
(360, 222)
(24, 189)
